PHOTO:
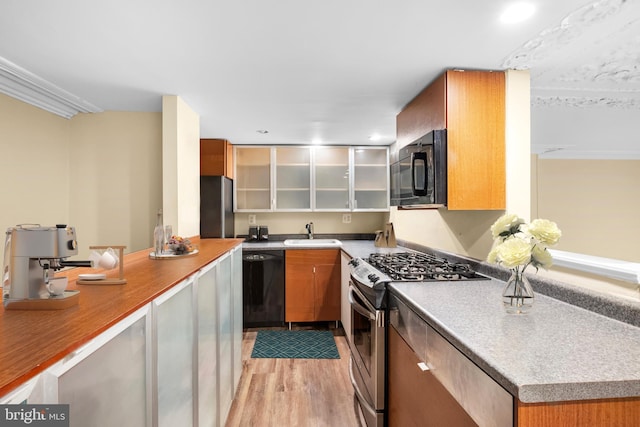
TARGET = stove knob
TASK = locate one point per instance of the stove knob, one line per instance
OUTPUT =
(374, 278)
(354, 262)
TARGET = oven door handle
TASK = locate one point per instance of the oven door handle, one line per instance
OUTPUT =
(360, 308)
(364, 404)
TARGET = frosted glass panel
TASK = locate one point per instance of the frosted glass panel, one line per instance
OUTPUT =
(293, 199)
(332, 156)
(370, 177)
(332, 199)
(252, 184)
(370, 156)
(293, 155)
(207, 347)
(253, 199)
(332, 177)
(253, 176)
(371, 199)
(236, 285)
(225, 344)
(293, 176)
(175, 359)
(254, 156)
(108, 387)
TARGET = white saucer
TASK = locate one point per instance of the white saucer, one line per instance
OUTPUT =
(96, 276)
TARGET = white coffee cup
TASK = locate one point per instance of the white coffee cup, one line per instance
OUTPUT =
(108, 260)
(94, 257)
(57, 286)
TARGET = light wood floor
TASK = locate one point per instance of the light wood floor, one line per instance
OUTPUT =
(294, 392)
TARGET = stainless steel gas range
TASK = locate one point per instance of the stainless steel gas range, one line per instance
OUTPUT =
(369, 317)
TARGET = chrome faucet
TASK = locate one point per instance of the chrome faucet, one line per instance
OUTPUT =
(310, 230)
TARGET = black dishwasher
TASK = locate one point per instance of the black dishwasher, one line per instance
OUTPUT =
(263, 288)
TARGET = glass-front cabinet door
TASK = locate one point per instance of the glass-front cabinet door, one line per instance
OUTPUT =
(302, 178)
(293, 178)
(331, 176)
(370, 178)
(253, 179)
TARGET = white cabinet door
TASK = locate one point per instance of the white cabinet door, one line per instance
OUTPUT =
(236, 284)
(207, 377)
(331, 177)
(105, 382)
(293, 178)
(370, 179)
(174, 322)
(297, 179)
(252, 185)
(345, 307)
(225, 338)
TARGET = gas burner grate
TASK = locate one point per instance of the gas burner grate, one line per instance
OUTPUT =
(409, 266)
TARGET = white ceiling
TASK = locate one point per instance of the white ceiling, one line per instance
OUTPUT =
(338, 70)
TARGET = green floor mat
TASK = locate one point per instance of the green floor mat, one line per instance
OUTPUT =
(295, 345)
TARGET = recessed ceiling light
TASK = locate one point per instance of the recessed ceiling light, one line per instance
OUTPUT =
(374, 137)
(262, 131)
(517, 12)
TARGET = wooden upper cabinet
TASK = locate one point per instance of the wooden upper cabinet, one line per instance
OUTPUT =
(471, 106)
(426, 112)
(216, 158)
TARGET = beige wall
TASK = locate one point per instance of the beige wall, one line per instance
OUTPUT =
(101, 173)
(34, 165)
(596, 204)
(116, 178)
(181, 166)
(323, 222)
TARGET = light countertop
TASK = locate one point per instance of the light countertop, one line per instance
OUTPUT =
(556, 352)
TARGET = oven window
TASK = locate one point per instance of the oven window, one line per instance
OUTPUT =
(362, 334)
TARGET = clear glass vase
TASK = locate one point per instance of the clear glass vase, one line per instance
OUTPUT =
(517, 296)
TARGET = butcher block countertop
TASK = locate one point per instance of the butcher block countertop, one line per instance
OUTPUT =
(33, 340)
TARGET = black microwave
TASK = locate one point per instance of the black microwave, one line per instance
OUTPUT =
(419, 172)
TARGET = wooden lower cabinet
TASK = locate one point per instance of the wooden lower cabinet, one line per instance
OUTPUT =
(601, 413)
(312, 285)
(416, 398)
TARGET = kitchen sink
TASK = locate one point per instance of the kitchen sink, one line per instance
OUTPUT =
(326, 243)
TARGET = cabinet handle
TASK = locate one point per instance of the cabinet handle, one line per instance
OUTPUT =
(423, 366)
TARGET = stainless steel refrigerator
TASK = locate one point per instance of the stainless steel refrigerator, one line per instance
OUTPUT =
(216, 207)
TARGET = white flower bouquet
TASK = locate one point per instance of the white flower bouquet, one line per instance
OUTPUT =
(517, 245)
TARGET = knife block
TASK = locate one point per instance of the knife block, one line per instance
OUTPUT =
(386, 238)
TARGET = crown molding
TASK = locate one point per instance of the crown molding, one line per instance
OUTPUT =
(25, 86)
(585, 102)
